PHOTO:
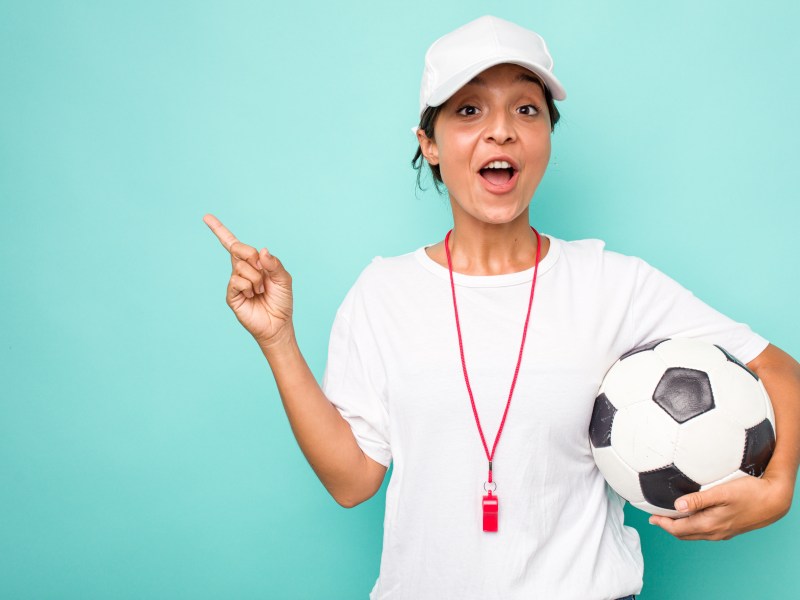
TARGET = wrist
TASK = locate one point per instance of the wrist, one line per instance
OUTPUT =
(282, 340)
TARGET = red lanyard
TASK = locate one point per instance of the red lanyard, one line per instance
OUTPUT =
(490, 504)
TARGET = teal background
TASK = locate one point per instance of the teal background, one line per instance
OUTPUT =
(144, 451)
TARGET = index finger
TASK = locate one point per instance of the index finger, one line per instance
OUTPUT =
(696, 526)
(223, 234)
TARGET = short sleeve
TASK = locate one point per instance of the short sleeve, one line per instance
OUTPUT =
(662, 308)
(355, 380)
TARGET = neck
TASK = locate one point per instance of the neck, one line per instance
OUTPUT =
(478, 248)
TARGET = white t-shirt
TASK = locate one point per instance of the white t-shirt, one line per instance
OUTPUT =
(394, 372)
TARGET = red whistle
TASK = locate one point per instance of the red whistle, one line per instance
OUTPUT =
(490, 512)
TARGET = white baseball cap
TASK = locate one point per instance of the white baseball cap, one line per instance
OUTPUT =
(457, 57)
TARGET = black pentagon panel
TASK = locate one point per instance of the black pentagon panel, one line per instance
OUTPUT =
(661, 487)
(602, 420)
(759, 444)
(642, 348)
(684, 393)
(733, 359)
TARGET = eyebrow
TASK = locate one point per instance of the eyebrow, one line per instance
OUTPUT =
(477, 80)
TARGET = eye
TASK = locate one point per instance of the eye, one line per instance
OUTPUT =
(467, 110)
(529, 109)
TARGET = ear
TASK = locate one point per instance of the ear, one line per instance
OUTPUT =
(428, 146)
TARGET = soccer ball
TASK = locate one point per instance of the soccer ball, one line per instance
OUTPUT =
(678, 416)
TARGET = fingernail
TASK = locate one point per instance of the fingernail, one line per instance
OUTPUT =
(652, 521)
(258, 264)
(681, 505)
(261, 289)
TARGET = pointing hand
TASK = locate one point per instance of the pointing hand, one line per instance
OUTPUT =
(260, 289)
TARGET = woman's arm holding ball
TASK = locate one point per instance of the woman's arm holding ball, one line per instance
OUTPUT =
(780, 374)
(748, 503)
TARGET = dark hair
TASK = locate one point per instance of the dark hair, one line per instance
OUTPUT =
(428, 120)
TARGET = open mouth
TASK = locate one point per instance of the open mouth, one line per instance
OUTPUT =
(498, 172)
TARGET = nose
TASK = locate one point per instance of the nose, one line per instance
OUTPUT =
(499, 128)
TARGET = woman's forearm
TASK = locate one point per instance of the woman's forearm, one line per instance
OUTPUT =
(780, 374)
(323, 434)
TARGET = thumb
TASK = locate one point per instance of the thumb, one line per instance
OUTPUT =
(274, 267)
(697, 501)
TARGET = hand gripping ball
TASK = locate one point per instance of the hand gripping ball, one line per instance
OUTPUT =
(678, 416)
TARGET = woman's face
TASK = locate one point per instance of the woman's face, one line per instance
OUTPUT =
(500, 115)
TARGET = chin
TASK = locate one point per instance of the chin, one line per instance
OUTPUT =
(498, 217)
(497, 210)
(486, 208)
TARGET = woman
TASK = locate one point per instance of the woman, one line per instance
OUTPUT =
(404, 385)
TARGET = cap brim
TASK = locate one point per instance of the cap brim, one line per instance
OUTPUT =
(455, 83)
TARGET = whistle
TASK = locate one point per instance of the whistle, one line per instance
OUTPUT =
(490, 507)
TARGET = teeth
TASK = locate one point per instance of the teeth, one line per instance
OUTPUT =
(498, 164)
